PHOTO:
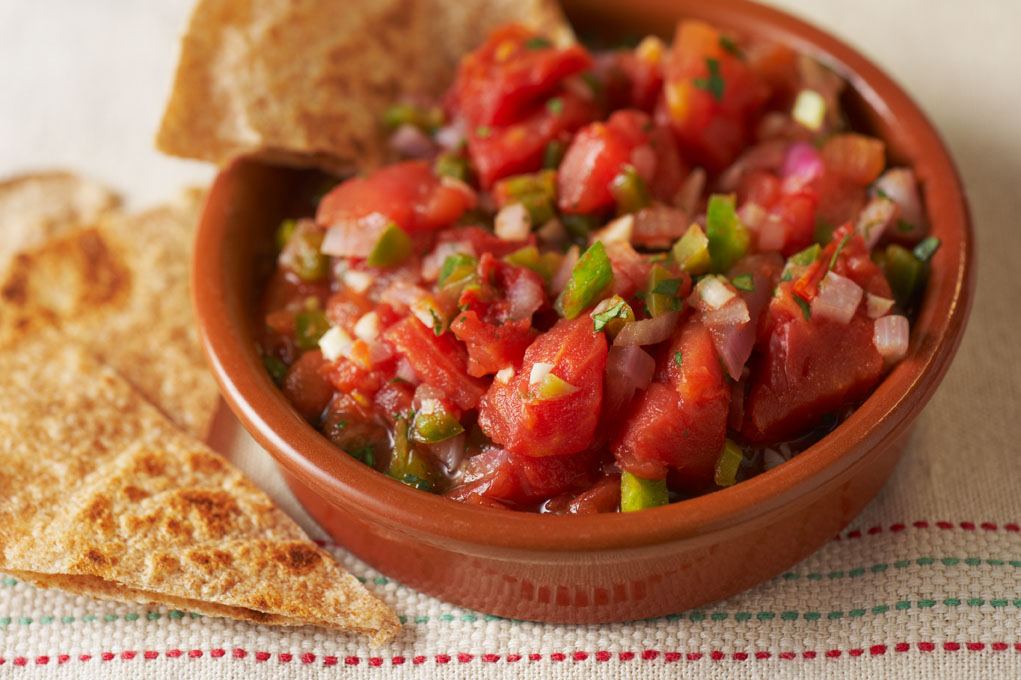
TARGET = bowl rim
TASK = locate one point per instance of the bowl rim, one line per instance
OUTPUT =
(888, 411)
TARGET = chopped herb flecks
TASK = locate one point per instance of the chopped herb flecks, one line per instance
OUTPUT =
(714, 84)
(833, 260)
(805, 308)
(745, 282)
(927, 248)
(678, 358)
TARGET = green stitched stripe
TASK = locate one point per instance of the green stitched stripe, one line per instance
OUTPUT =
(901, 564)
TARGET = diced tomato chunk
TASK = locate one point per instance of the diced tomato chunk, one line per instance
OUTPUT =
(599, 152)
(518, 147)
(798, 214)
(407, 194)
(492, 347)
(522, 480)
(511, 415)
(512, 70)
(711, 97)
(809, 369)
(437, 359)
(306, 387)
(680, 423)
(854, 157)
(347, 377)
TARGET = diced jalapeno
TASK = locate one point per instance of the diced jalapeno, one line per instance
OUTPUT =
(310, 325)
(407, 465)
(904, 272)
(926, 248)
(661, 291)
(728, 237)
(537, 192)
(692, 251)
(553, 154)
(393, 247)
(637, 493)
(457, 271)
(728, 464)
(590, 278)
(450, 164)
(824, 231)
(629, 191)
(579, 226)
(276, 368)
(426, 119)
(807, 256)
(551, 387)
(543, 264)
(610, 315)
(435, 426)
(284, 232)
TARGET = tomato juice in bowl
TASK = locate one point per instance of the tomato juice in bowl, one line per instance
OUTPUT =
(600, 567)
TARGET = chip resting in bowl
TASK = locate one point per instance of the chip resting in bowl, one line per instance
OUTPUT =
(101, 495)
(308, 81)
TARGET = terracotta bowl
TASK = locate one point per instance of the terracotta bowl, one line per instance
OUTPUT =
(596, 568)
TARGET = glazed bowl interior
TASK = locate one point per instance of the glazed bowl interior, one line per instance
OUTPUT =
(233, 257)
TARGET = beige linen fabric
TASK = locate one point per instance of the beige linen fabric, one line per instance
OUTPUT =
(930, 591)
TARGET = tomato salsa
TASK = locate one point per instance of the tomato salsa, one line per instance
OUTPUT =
(601, 281)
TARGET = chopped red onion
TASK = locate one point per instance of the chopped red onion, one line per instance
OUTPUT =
(410, 142)
(513, 223)
(874, 219)
(658, 226)
(405, 372)
(401, 295)
(450, 452)
(379, 352)
(838, 298)
(563, 274)
(876, 306)
(901, 187)
(451, 136)
(425, 393)
(768, 155)
(619, 230)
(801, 166)
(433, 262)
(890, 336)
(643, 158)
(524, 296)
(628, 368)
(351, 237)
(647, 331)
(733, 334)
(689, 193)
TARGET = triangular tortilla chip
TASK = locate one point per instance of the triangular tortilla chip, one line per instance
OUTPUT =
(121, 289)
(307, 81)
(36, 207)
(102, 496)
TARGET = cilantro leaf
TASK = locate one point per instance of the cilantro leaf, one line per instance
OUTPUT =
(537, 43)
(745, 282)
(714, 84)
(617, 311)
(803, 303)
(833, 260)
(678, 358)
(667, 287)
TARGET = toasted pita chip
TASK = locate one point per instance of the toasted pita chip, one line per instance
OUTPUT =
(307, 81)
(102, 496)
(121, 289)
(36, 207)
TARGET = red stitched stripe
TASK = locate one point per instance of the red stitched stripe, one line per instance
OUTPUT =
(923, 524)
(107, 656)
(42, 660)
(926, 646)
(308, 657)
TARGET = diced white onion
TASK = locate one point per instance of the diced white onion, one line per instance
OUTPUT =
(771, 458)
(809, 109)
(513, 222)
(838, 298)
(890, 336)
(335, 343)
(752, 215)
(524, 296)
(714, 292)
(409, 141)
(901, 187)
(876, 306)
(874, 218)
(552, 233)
(379, 352)
(367, 327)
(451, 136)
(539, 372)
(357, 281)
(426, 395)
(351, 237)
(405, 372)
(504, 375)
(647, 331)
(619, 230)
(425, 310)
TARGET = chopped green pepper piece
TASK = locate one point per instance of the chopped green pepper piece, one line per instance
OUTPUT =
(310, 325)
(629, 191)
(301, 252)
(579, 226)
(364, 454)
(537, 43)
(611, 314)
(927, 248)
(745, 282)
(692, 251)
(836, 253)
(435, 426)
(590, 278)
(276, 368)
(552, 387)
(661, 291)
(543, 264)
(284, 232)
(407, 465)
(537, 192)
(457, 270)
(679, 358)
(637, 493)
(728, 237)
(823, 231)
(393, 247)
(728, 464)
(806, 309)
(553, 154)
(450, 164)
(426, 119)
(807, 256)
(904, 272)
